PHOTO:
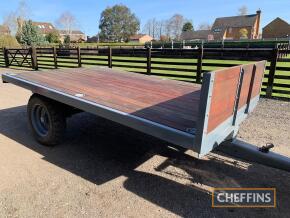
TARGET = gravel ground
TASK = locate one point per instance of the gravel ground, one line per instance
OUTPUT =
(104, 169)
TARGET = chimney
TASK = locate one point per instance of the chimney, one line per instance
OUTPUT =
(258, 23)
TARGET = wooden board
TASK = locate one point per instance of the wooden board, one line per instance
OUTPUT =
(225, 90)
(171, 103)
(223, 96)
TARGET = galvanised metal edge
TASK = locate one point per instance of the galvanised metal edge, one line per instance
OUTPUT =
(238, 93)
(226, 130)
(251, 107)
(143, 125)
(204, 106)
(207, 142)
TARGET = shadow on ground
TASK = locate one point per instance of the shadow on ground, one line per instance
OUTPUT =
(99, 151)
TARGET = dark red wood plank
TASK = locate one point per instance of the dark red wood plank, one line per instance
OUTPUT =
(223, 96)
(164, 101)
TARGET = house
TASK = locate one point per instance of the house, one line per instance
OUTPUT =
(229, 28)
(75, 35)
(140, 38)
(197, 35)
(277, 28)
(4, 30)
(44, 27)
(237, 27)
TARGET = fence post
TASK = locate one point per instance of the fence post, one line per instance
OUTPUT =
(79, 56)
(199, 64)
(110, 57)
(272, 70)
(148, 60)
(54, 57)
(33, 53)
(6, 58)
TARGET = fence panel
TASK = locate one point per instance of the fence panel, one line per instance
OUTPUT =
(18, 58)
(2, 60)
(180, 64)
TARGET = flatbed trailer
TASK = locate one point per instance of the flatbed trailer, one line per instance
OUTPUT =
(194, 116)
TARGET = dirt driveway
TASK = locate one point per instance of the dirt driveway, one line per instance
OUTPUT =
(107, 170)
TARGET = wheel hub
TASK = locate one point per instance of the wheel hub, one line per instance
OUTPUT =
(40, 120)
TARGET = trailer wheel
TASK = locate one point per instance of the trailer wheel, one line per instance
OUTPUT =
(46, 120)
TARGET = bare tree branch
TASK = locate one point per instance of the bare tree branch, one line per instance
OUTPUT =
(176, 23)
(67, 21)
(15, 18)
(204, 26)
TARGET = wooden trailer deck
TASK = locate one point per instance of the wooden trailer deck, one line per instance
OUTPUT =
(163, 101)
(193, 116)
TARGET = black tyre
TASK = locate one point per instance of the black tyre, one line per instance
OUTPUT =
(46, 120)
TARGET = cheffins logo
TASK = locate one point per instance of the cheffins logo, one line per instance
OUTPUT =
(244, 197)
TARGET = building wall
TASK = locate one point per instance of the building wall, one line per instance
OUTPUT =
(234, 33)
(253, 31)
(74, 37)
(145, 38)
(276, 29)
(256, 30)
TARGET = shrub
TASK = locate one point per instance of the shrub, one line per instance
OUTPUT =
(28, 35)
(53, 37)
(8, 41)
(66, 39)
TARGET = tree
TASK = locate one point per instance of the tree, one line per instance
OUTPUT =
(204, 26)
(29, 35)
(154, 28)
(149, 27)
(53, 37)
(11, 20)
(243, 10)
(243, 33)
(167, 30)
(187, 27)
(176, 23)
(66, 39)
(66, 21)
(118, 23)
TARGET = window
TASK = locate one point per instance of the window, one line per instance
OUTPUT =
(230, 30)
(217, 30)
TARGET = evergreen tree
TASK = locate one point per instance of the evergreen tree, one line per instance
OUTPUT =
(29, 35)
(187, 27)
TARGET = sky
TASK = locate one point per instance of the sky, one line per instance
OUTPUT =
(87, 12)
